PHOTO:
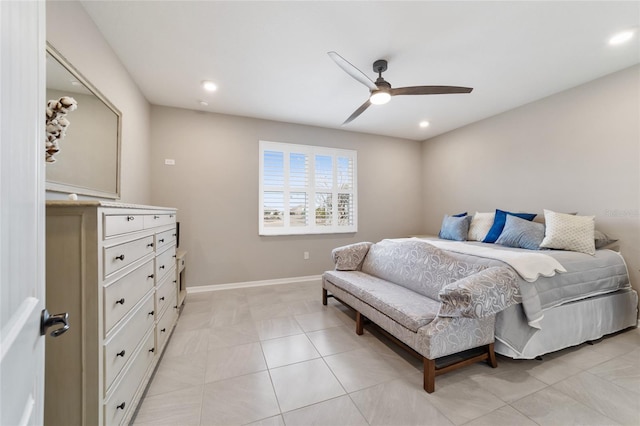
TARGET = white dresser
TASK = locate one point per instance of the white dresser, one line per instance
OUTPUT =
(112, 267)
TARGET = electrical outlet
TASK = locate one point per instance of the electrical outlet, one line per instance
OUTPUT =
(306, 255)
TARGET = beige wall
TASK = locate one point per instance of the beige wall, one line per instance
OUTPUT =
(214, 184)
(72, 32)
(576, 151)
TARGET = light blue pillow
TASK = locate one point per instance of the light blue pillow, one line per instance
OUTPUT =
(521, 233)
(455, 227)
(499, 221)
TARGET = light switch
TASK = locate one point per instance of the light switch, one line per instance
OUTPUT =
(169, 162)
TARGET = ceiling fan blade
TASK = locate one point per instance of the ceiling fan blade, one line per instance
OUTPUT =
(352, 71)
(357, 112)
(429, 90)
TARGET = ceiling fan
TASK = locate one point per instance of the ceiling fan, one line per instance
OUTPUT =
(381, 90)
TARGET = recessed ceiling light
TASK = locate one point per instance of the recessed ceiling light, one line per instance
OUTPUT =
(209, 86)
(203, 103)
(424, 124)
(621, 37)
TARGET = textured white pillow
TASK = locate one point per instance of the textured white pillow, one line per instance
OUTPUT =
(568, 232)
(480, 225)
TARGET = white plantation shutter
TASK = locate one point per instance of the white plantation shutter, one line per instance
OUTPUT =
(306, 189)
(273, 215)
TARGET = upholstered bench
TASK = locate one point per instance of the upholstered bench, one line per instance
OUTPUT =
(423, 297)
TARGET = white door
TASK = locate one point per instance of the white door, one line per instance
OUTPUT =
(22, 56)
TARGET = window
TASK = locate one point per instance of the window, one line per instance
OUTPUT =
(307, 189)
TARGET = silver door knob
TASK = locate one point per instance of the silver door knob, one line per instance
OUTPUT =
(47, 320)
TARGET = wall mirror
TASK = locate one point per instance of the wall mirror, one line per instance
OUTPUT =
(88, 162)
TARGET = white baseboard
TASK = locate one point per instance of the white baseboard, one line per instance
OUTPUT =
(231, 286)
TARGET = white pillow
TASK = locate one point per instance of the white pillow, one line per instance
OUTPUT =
(569, 232)
(480, 225)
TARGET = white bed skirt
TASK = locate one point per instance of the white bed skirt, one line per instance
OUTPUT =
(578, 322)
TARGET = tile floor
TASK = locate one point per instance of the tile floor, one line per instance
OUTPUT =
(274, 355)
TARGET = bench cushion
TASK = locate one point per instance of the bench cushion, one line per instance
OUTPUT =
(481, 295)
(416, 265)
(350, 257)
(408, 308)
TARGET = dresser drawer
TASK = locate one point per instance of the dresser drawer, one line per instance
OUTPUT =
(165, 262)
(121, 400)
(165, 239)
(121, 223)
(166, 322)
(160, 219)
(117, 257)
(164, 291)
(122, 295)
(121, 347)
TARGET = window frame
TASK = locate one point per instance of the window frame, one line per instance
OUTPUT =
(310, 190)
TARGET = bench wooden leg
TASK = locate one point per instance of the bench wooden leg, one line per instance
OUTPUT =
(492, 356)
(359, 323)
(430, 370)
(429, 382)
(324, 296)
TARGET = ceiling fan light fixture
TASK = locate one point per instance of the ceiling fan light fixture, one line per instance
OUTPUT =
(380, 97)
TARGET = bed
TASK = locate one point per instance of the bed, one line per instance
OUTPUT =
(584, 298)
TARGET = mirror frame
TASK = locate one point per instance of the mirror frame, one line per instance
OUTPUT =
(76, 189)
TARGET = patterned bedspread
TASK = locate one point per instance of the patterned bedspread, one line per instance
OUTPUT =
(585, 276)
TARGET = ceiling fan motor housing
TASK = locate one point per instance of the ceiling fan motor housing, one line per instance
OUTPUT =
(383, 84)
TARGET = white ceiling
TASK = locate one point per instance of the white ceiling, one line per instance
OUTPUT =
(269, 59)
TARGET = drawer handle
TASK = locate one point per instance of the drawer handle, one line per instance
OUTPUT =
(152, 350)
(121, 257)
(150, 276)
(156, 217)
(121, 406)
(161, 240)
(162, 298)
(174, 235)
(175, 281)
(130, 218)
(163, 330)
(121, 353)
(150, 245)
(174, 256)
(161, 267)
(175, 307)
(151, 313)
(121, 301)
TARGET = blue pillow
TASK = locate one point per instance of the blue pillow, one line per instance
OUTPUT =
(499, 221)
(455, 227)
(521, 233)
